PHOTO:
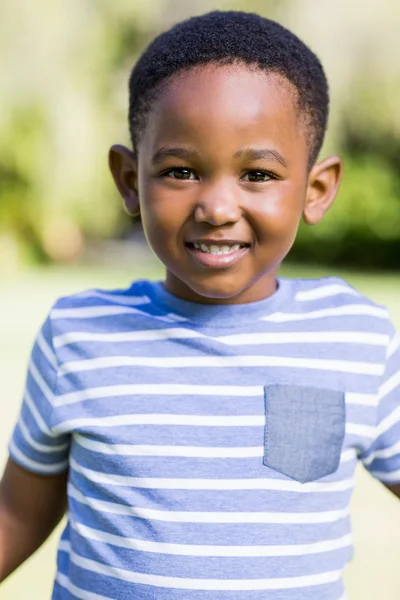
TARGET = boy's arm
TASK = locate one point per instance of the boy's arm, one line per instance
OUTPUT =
(31, 505)
(33, 488)
(395, 489)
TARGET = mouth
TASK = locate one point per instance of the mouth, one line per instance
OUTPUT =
(217, 254)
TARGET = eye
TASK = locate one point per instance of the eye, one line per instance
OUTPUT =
(257, 176)
(181, 173)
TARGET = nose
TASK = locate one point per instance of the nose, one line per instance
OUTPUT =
(218, 205)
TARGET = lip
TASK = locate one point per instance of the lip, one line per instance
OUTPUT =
(217, 242)
(216, 261)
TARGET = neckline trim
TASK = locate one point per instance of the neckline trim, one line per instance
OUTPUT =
(216, 315)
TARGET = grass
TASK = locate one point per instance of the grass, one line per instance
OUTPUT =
(24, 302)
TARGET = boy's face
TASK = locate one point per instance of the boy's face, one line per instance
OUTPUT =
(222, 181)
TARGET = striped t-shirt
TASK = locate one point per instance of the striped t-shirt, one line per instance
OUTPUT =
(211, 449)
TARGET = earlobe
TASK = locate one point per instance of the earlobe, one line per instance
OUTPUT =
(123, 167)
(323, 184)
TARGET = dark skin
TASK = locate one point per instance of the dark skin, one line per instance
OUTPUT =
(239, 172)
(30, 508)
(227, 165)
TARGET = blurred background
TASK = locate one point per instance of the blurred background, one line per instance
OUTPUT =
(64, 68)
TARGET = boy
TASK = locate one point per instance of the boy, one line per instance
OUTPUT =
(210, 426)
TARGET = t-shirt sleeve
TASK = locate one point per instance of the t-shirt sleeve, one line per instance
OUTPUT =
(383, 457)
(34, 445)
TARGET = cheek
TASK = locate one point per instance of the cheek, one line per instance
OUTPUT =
(278, 213)
(162, 214)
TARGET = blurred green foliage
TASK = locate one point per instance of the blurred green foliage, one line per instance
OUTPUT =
(64, 100)
(362, 227)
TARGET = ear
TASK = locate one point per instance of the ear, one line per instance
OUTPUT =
(123, 166)
(323, 183)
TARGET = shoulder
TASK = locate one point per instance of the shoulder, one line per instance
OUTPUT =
(332, 290)
(87, 301)
(94, 314)
(334, 296)
(97, 309)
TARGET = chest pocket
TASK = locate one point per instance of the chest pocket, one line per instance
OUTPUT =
(304, 431)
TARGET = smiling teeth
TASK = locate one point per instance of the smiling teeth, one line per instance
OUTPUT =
(217, 249)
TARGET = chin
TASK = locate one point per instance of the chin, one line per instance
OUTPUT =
(217, 290)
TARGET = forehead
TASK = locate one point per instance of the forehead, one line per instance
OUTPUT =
(230, 104)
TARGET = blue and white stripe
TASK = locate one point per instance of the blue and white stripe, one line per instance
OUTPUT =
(156, 407)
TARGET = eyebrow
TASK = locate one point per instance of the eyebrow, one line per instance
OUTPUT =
(246, 153)
(260, 153)
(175, 152)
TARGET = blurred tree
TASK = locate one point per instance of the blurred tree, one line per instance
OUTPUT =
(362, 228)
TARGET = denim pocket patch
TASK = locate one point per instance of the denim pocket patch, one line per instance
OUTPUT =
(304, 431)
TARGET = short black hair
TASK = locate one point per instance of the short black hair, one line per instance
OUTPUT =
(227, 37)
